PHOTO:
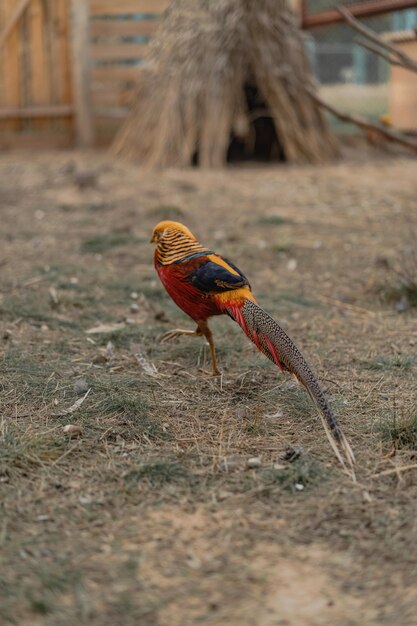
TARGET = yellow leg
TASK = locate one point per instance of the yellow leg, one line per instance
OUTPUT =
(205, 330)
(202, 329)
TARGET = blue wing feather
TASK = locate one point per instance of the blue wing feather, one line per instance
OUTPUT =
(215, 278)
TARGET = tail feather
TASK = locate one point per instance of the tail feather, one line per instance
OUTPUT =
(277, 345)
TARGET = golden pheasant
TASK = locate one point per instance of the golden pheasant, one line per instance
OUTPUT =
(203, 283)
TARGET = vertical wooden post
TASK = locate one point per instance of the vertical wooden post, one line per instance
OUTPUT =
(80, 39)
(303, 12)
(12, 20)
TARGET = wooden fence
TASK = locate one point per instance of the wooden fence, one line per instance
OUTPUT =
(68, 68)
(120, 36)
(35, 82)
(313, 15)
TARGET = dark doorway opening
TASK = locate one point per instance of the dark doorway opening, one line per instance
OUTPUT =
(260, 142)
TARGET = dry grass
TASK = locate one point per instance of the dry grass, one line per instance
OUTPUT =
(151, 515)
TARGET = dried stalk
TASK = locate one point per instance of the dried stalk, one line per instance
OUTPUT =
(374, 48)
(192, 92)
(364, 123)
(398, 57)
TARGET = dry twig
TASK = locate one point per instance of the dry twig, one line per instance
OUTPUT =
(398, 57)
(397, 470)
(365, 124)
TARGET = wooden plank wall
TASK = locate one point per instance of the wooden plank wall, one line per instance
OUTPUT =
(37, 103)
(120, 35)
(35, 79)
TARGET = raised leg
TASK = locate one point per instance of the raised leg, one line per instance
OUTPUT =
(178, 332)
(205, 330)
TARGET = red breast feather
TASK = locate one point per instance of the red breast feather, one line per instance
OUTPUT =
(175, 278)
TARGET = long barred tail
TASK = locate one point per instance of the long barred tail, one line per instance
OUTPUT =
(273, 341)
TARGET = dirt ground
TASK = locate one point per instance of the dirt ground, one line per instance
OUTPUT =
(147, 512)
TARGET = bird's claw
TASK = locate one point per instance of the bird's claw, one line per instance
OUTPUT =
(173, 334)
(170, 334)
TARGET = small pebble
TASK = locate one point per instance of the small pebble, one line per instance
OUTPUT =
(402, 305)
(134, 307)
(223, 495)
(230, 464)
(42, 518)
(54, 295)
(85, 179)
(161, 316)
(134, 295)
(74, 430)
(99, 359)
(80, 386)
(299, 486)
(254, 462)
(242, 412)
(110, 351)
(291, 454)
(85, 500)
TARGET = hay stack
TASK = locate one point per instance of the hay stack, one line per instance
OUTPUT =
(191, 97)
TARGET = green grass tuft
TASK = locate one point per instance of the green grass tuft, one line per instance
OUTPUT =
(394, 362)
(392, 294)
(166, 212)
(401, 288)
(123, 399)
(107, 241)
(298, 299)
(22, 454)
(305, 471)
(119, 400)
(41, 606)
(283, 246)
(157, 474)
(31, 375)
(122, 337)
(297, 402)
(401, 431)
(272, 220)
(35, 308)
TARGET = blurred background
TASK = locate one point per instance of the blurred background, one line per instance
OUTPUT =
(70, 68)
(135, 489)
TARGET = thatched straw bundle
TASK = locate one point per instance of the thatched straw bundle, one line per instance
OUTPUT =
(192, 93)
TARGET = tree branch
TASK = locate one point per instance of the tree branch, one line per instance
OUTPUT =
(363, 123)
(401, 58)
(374, 48)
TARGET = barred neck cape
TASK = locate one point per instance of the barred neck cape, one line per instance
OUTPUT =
(175, 246)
